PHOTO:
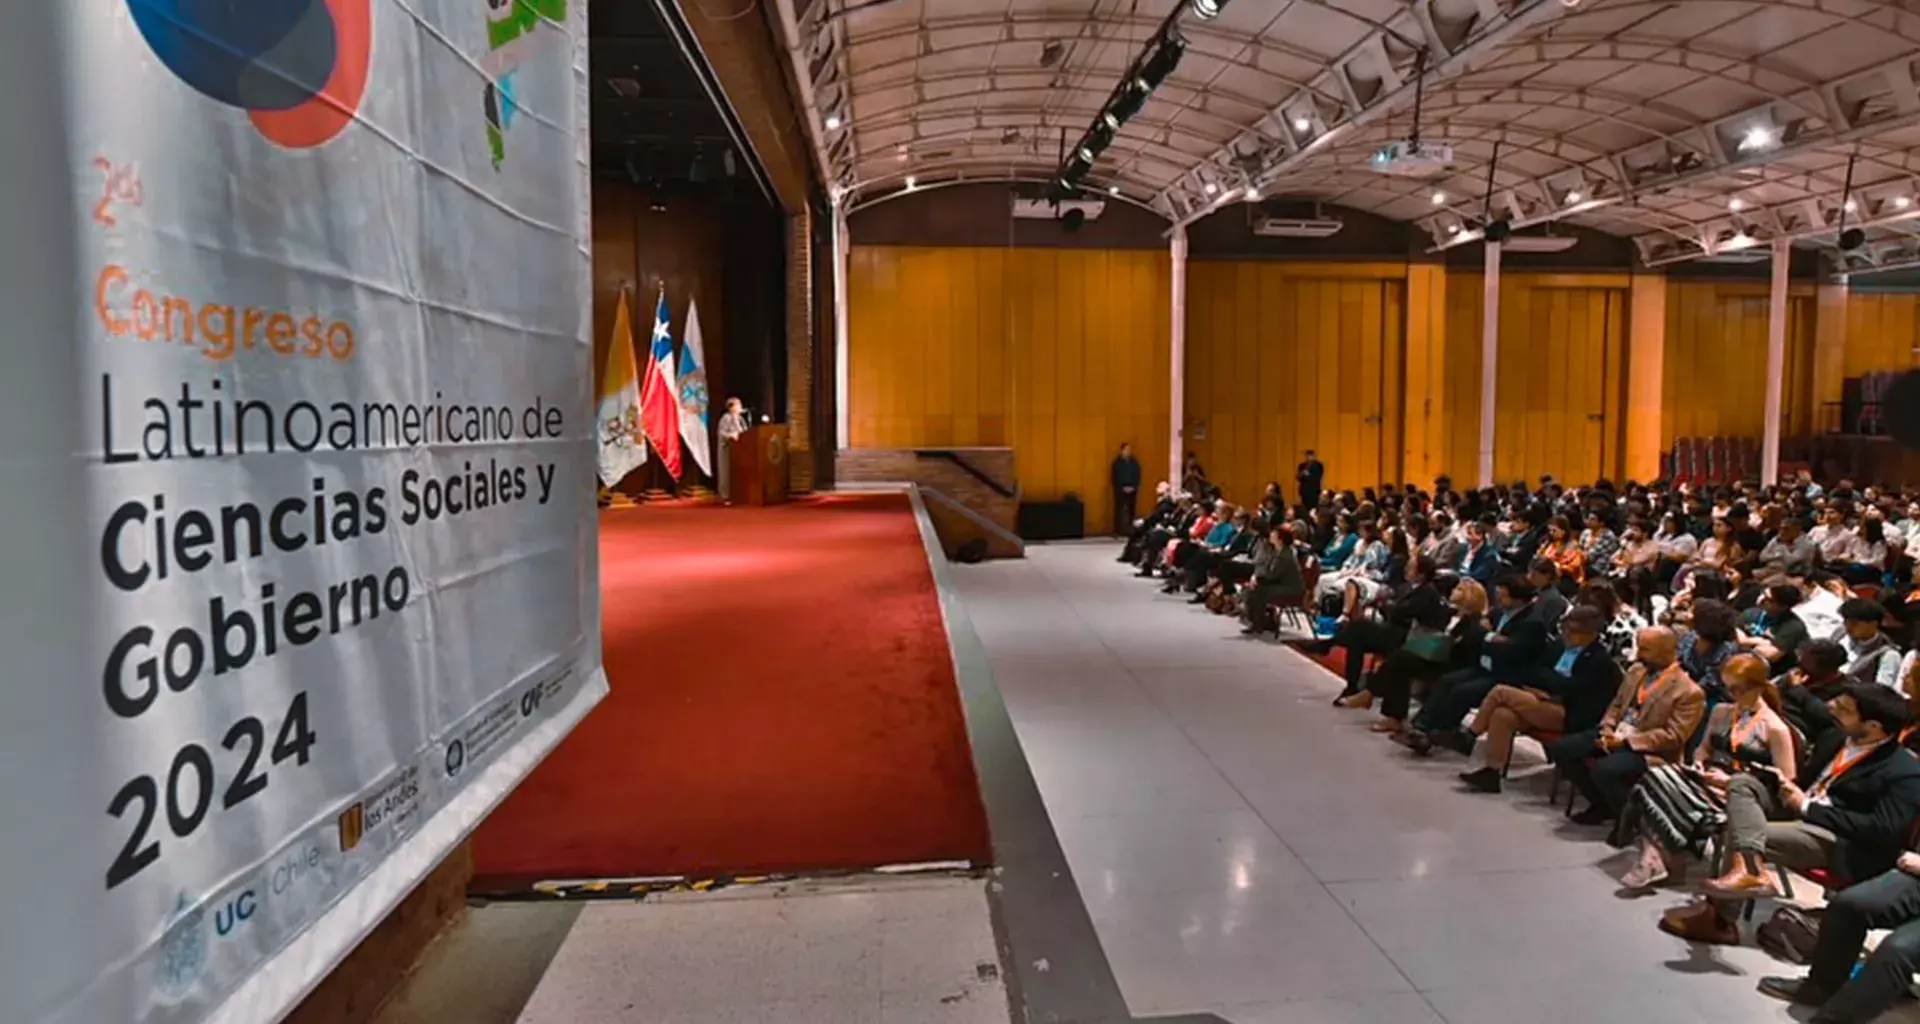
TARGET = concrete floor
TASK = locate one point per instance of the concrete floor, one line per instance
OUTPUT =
(831, 952)
(1245, 848)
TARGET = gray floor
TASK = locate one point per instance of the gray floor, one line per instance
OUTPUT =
(1246, 849)
(917, 950)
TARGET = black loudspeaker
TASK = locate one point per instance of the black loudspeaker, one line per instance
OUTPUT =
(973, 552)
(1900, 409)
(1052, 520)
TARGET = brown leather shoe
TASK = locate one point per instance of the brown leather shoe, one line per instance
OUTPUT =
(1357, 701)
(1388, 725)
(1700, 923)
(1740, 884)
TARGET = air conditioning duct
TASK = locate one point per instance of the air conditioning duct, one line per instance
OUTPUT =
(1296, 227)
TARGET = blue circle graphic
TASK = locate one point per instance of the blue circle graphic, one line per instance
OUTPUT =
(252, 54)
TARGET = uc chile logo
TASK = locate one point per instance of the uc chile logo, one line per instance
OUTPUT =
(297, 67)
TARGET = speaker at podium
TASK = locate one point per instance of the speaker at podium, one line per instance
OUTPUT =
(757, 465)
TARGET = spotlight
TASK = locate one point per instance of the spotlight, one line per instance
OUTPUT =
(1113, 190)
(1852, 205)
(1453, 229)
(1901, 202)
(1302, 124)
(1574, 197)
(1741, 240)
(1253, 193)
(833, 122)
(1736, 204)
(1851, 239)
(1209, 188)
(911, 182)
(1207, 10)
(1759, 136)
(1132, 97)
(1161, 62)
(1439, 198)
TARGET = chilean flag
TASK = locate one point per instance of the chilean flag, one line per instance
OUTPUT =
(659, 404)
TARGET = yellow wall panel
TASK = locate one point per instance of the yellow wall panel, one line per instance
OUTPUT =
(1060, 353)
(1716, 362)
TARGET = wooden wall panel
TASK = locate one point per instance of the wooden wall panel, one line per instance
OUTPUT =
(1560, 395)
(1715, 384)
(1284, 357)
(1881, 332)
(1060, 353)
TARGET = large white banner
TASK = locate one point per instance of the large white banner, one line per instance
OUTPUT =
(297, 540)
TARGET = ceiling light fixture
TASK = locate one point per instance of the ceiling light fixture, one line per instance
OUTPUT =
(1574, 197)
(1736, 204)
(1902, 202)
(1852, 205)
(1453, 229)
(1209, 188)
(833, 122)
(911, 182)
(1739, 241)
(1759, 136)
(1439, 198)
(1113, 190)
(1301, 124)
(1207, 10)
(1253, 193)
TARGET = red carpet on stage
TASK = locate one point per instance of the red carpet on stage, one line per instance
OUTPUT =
(783, 699)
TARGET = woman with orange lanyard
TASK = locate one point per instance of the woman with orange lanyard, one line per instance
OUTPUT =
(1677, 807)
(1563, 549)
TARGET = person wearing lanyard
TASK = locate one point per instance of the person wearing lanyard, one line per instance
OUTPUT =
(1655, 711)
(1853, 820)
(1570, 694)
(1512, 651)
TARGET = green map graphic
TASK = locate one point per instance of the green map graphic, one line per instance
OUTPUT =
(508, 20)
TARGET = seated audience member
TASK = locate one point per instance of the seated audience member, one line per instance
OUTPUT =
(1219, 531)
(1512, 650)
(1676, 807)
(1367, 560)
(1871, 655)
(1677, 546)
(1568, 692)
(1719, 552)
(1819, 607)
(1448, 543)
(1853, 821)
(1563, 550)
(1623, 622)
(1478, 561)
(1550, 602)
(1164, 507)
(1865, 559)
(1789, 554)
(1832, 538)
(1653, 715)
(1277, 580)
(1202, 560)
(1341, 547)
(1776, 632)
(1707, 644)
(1599, 543)
(1195, 516)
(1805, 694)
(1844, 990)
(1638, 551)
(1419, 606)
(1425, 661)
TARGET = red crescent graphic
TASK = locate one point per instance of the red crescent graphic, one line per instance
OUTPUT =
(335, 106)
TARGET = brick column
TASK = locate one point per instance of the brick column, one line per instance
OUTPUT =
(800, 350)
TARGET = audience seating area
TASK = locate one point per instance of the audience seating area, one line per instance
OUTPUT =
(1722, 675)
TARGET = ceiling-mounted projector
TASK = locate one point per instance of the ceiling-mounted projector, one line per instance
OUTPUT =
(1296, 227)
(1411, 159)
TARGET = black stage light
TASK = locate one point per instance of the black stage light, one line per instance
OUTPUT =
(1207, 10)
(1128, 101)
(1161, 61)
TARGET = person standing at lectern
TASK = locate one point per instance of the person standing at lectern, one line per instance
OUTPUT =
(1126, 489)
(733, 425)
(1309, 476)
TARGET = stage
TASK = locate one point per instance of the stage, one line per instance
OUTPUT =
(783, 700)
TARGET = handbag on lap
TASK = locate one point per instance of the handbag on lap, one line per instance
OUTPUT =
(1428, 644)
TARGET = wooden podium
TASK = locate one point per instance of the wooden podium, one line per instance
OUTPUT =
(759, 465)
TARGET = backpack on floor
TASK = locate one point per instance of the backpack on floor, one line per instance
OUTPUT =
(1790, 934)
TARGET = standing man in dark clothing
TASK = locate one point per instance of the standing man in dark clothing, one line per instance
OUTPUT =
(1309, 476)
(1126, 489)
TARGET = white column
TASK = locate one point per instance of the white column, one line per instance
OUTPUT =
(1177, 357)
(842, 371)
(1776, 363)
(1489, 360)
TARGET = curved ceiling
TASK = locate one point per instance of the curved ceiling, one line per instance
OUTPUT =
(1695, 127)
